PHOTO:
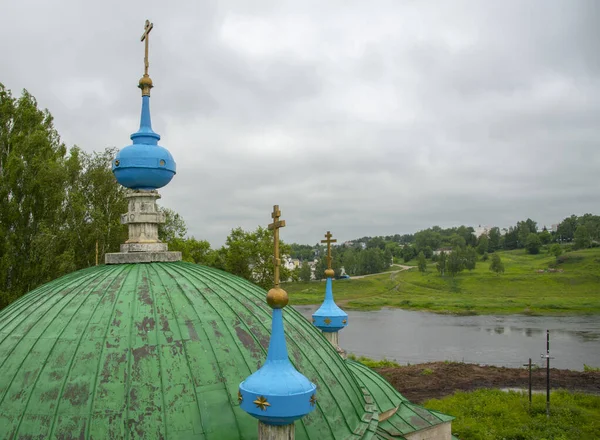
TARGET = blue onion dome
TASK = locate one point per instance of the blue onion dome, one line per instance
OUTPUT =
(144, 164)
(329, 317)
(277, 394)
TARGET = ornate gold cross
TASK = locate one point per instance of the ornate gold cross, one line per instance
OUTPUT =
(145, 37)
(275, 227)
(328, 240)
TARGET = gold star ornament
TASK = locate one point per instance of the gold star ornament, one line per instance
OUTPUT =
(262, 403)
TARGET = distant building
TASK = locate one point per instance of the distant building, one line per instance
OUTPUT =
(480, 230)
(290, 263)
(446, 250)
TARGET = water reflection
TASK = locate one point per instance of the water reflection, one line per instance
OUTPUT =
(412, 337)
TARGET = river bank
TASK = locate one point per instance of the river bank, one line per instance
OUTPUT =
(434, 380)
(530, 286)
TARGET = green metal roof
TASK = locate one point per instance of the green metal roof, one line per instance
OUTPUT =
(156, 351)
(396, 415)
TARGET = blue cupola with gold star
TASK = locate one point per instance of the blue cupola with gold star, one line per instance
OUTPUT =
(144, 165)
(329, 318)
(277, 394)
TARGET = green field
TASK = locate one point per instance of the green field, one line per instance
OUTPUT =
(521, 289)
(494, 414)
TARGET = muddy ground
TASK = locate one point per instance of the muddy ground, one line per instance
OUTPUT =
(421, 382)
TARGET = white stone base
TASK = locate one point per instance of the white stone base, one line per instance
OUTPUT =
(141, 257)
(144, 247)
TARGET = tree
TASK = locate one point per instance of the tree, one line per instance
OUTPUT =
(582, 238)
(496, 265)
(305, 272)
(483, 245)
(33, 248)
(455, 263)
(470, 258)
(523, 232)
(533, 243)
(94, 203)
(566, 228)
(408, 253)
(320, 268)
(545, 236)
(387, 258)
(555, 250)
(422, 263)
(485, 256)
(250, 256)
(494, 239)
(511, 238)
(173, 227)
(458, 242)
(194, 251)
(441, 264)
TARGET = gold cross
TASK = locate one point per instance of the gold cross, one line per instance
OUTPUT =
(328, 241)
(275, 227)
(146, 37)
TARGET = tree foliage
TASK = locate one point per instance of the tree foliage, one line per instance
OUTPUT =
(533, 243)
(441, 263)
(496, 265)
(422, 263)
(305, 272)
(55, 206)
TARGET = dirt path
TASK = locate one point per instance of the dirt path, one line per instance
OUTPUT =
(421, 382)
(401, 266)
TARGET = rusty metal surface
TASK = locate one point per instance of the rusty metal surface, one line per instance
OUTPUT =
(155, 351)
(397, 416)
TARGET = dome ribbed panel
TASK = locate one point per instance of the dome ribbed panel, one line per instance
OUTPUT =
(156, 351)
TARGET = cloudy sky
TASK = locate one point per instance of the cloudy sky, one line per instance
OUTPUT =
(363, 118)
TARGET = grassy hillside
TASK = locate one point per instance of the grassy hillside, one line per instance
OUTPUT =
(521, 289)
(494, 414)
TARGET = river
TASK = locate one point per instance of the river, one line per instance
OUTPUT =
(503, 340)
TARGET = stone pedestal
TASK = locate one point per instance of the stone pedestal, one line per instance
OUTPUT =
(332, 337)
(272, 432)
(143, 218)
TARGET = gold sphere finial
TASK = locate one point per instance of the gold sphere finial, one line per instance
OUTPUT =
(329, 273)
(277, 298)
(145, 84)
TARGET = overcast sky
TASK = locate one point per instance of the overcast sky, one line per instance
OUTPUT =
(359, 117)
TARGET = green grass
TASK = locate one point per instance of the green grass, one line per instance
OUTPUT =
(494, 414)
(519, 290)
(588, 368)
(372, 363)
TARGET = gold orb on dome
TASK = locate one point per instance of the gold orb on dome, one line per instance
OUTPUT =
(277, 298)
(329, 273)
(145, 81)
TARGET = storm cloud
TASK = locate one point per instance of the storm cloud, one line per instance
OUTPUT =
(363, 118)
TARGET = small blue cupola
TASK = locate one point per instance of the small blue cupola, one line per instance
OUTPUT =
(277, 394)
(144, 164)
(329, 318)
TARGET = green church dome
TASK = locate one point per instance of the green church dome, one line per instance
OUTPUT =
(158, 351)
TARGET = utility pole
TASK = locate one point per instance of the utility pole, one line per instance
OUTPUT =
(529, 365)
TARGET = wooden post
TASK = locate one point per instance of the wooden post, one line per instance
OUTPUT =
(276, 432)
(96, 252)
(529, 365)
(547, 373)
